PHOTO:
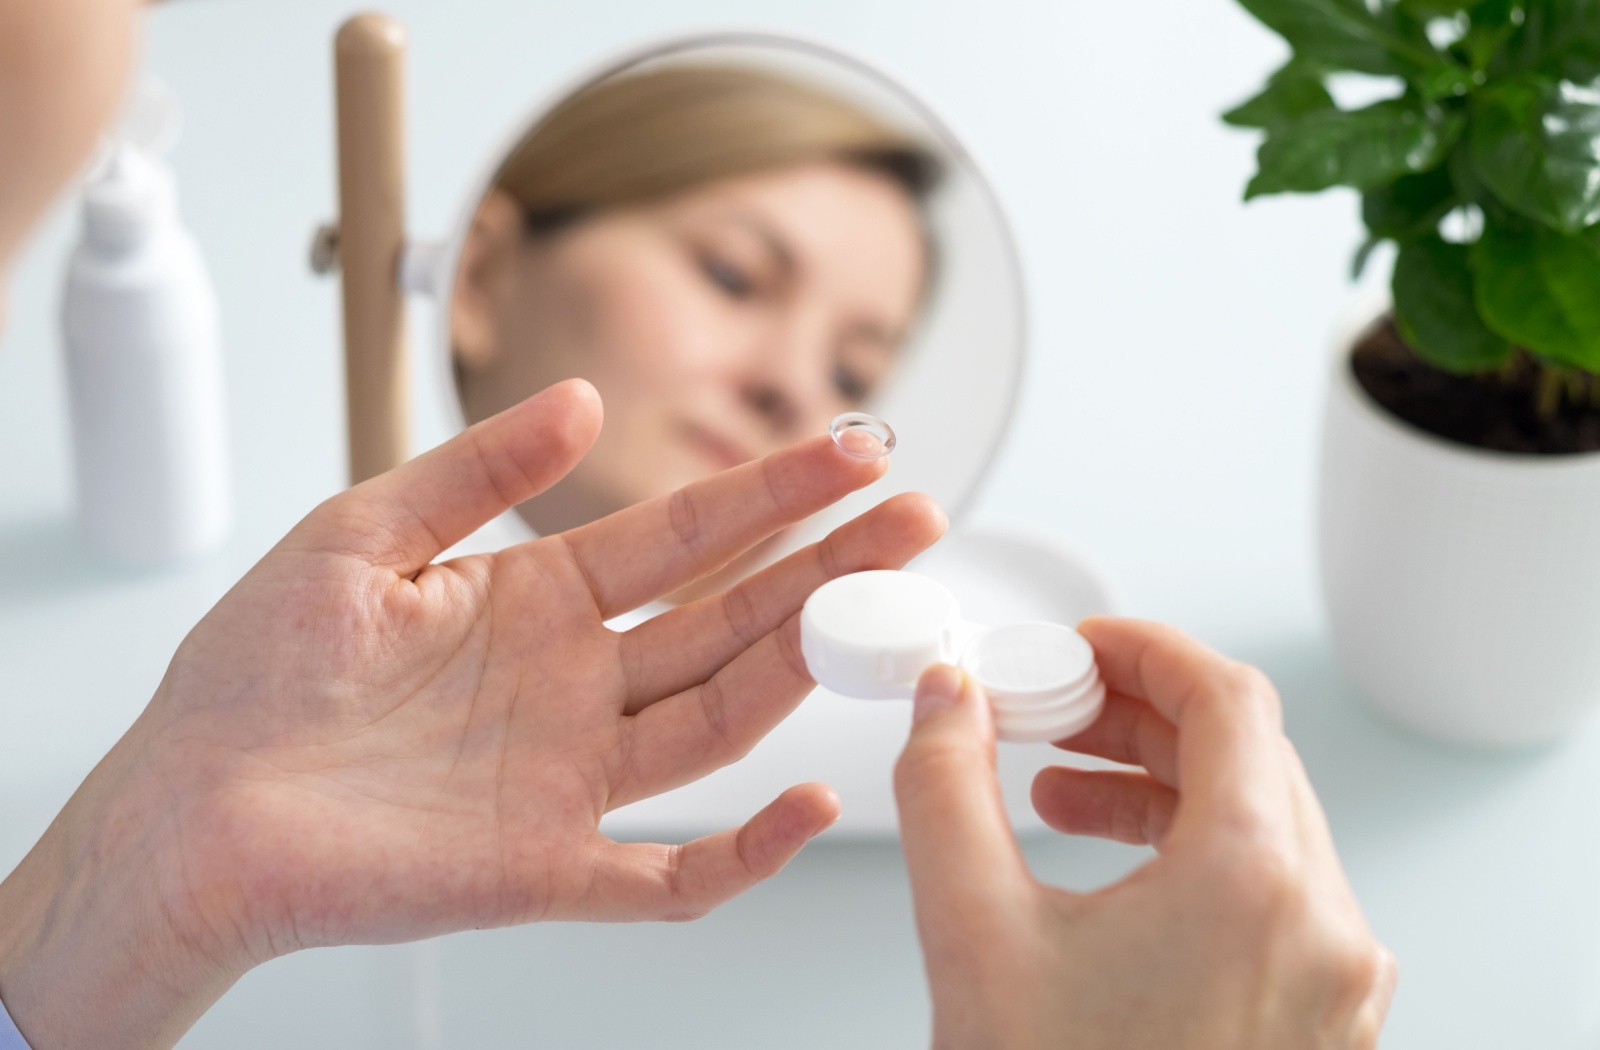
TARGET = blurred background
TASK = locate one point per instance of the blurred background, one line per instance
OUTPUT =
(1179, 347)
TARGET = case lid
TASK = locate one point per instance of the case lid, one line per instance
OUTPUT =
(871, 635)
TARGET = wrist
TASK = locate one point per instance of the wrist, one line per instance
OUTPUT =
(95, 948)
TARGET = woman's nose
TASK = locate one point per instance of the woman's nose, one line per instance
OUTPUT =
(788, 377)
(772, 404)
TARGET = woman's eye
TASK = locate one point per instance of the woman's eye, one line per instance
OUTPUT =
(851, 385)
(728, 277)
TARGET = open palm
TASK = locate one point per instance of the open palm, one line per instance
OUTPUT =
(383, 748)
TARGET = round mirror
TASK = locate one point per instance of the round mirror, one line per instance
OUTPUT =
(737, 238)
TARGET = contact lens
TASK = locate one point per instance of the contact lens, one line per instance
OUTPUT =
(862, 435)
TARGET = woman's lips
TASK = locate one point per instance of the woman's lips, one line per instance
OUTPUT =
(724, 452)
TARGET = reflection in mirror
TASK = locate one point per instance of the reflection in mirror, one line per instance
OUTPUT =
(731, 257)
(735, 249)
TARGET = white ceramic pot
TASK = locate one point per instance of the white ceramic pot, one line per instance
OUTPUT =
(1462, 585)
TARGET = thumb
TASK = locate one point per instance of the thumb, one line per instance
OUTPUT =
(957, 839)
(404, 519)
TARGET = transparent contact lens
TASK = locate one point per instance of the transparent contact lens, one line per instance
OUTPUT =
(862, 435)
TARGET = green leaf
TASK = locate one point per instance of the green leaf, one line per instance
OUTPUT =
(1541, 289)
(1434, 73)
(1493, 23)
(1440, 82)
(1558, 37)
(1343, 33)
(1536, 143)
(1293, 91)
(1469, 187)
(1410, 206)
(1427, 8)
(1436, 312)
(1363, 149)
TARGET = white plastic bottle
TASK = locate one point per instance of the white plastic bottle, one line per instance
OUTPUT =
(144, 372)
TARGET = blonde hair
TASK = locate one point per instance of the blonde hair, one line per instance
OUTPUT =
(645, 136)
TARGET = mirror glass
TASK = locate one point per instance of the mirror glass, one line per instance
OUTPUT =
(736, 239)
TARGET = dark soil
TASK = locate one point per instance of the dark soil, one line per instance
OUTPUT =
(1494, 411)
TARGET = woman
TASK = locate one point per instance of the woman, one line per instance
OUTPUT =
(731, 257)
(360, 745)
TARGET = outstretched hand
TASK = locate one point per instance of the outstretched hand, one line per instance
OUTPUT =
(361, 745)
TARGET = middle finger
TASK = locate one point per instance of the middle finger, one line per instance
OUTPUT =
(1132, 732)
(687, 645)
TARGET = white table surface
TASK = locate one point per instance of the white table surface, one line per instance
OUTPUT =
(1169, 426)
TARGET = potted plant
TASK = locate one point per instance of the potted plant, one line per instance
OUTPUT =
(1460, 490)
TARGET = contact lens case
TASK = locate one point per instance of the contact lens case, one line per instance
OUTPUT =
(870, 635)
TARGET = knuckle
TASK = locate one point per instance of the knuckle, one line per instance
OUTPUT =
(828, 558)
(1388, 969)
(506, 477)
(690, 912)
(1251, 685)
(714, 706)
(1128, 736)
(740, 611)
(1375, 1010)
(1130, 822)
(623, 760)
(1264, 884)
(683, 512)
(1353, 972)
(1365, 1037)
(1239, 687)
(779, 493)
(1384, 971)
(1275, 882)
(793, 656)
(1351, 981)
(683, 898)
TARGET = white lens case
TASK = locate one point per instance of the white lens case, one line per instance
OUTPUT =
(870, 635)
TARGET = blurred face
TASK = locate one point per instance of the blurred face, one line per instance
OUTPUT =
(718, 325)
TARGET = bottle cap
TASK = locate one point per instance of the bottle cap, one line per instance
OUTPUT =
(128, 198)
(870, 635)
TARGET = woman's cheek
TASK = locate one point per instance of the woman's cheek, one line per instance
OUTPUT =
(669, 328)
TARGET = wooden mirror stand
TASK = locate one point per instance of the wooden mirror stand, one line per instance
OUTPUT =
(369, 66)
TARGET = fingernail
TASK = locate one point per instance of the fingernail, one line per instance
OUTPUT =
(938, 690)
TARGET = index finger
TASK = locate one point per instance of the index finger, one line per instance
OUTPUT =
(653, 548)
(1229, 721)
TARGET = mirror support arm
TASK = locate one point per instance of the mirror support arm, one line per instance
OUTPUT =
(422, 268)
(369, 61)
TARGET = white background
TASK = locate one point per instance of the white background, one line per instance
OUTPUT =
(1180, 342)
